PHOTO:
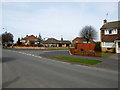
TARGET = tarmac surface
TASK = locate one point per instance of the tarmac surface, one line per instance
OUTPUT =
(110, 63)
(27, 69)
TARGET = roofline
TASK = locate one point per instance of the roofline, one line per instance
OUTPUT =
(108, 23)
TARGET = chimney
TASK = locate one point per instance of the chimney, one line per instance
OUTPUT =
(105, 21)
(61, 39)
(26, 35)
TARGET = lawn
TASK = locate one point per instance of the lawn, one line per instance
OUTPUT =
(78, 60)
(106, 54)
(7, 48)
(57, 49)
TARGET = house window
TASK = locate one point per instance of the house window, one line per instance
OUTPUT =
(76, 41)
(110, 31)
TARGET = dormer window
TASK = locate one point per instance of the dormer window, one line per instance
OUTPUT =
(110, 31)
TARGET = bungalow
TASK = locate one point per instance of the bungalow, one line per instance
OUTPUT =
(110, 36)
(52, 42)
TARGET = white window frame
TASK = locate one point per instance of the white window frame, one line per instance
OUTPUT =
(111, 44)
(76, 41)
(114, 31)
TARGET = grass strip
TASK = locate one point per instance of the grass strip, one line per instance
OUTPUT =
(57, 49)
(7, 48)
(106, 54)
(79, 60)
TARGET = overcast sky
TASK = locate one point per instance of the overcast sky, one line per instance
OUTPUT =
(53, 19)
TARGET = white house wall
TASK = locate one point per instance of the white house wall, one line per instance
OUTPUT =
(108, 44)
(117, 48)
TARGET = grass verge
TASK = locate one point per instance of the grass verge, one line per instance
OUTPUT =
(57, 49)
(78, 60)
(7, 48)
(106, 54)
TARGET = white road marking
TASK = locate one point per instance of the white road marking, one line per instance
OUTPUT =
(26, 54)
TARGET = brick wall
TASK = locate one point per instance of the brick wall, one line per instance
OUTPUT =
(86, 46)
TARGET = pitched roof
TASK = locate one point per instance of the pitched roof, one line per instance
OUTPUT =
(65, 42)
(115, 24)
(51, 40)
(82, 39)
(27, 37)
(55, 41)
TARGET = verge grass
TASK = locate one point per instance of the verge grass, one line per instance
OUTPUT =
(78, 60)
(106, 54)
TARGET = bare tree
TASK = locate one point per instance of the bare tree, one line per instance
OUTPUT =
(88, 33)
(7, 38)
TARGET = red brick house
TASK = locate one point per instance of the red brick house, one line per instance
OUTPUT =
(80, 40)
(27, 39)
(110, 36)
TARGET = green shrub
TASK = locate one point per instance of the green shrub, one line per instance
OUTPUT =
(32, 42)
(97, 46)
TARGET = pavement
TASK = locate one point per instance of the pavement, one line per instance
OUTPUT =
(29, 70)
(114, 57)
(110, 63)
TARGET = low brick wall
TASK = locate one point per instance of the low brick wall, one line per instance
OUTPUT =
(16, 47)
(91, 53)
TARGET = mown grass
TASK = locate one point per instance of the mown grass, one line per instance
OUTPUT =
(78, 60)
(106, 54)
(7, 48)
(57, 49)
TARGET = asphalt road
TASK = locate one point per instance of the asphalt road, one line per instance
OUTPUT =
(25, 70)
(110, 62)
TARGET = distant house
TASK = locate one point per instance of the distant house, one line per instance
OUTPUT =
(52, 42)
(81, 40)
(110, 36)
(26, 40)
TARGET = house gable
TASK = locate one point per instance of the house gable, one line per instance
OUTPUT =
(80, 40)
(110, 36)
(31, 38)
(110, 31)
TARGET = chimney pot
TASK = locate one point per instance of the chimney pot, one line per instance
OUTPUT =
(105, 21)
